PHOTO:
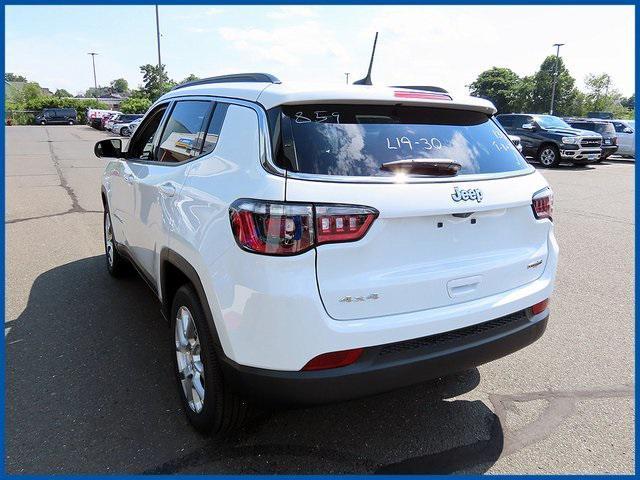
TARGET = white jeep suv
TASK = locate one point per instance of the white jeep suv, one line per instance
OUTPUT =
(314, 245)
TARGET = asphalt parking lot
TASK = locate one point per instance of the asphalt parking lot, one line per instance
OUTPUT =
(90, 386)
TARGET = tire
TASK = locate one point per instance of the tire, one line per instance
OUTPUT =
(116, 264)
(42, 122)
(71, 122)
(124, 131)
(549, 156)
(209, 404)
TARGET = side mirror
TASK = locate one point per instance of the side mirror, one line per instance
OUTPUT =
(529, 126)
(628, 130)
(110, 148)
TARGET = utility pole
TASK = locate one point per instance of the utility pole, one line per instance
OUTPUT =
(95, 82)
(555, 76)
(347, 75)
(158, 35)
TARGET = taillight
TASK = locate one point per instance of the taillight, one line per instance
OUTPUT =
(333, 359)
(279, 228)
(342, 223)
(542, 204)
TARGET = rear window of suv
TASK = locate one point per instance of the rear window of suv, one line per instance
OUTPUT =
(355, 140)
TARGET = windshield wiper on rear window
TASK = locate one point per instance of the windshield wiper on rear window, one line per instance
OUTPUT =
(440, 167)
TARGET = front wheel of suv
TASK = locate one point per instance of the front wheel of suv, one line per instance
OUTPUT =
(210, 405)
(124, 132)
(549, 156)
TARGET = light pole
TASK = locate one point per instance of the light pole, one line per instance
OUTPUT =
(555, 76)
(158, 35)
(95, 82)
(347, 75)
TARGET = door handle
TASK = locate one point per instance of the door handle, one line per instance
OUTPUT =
(167, 190)
(127, 177)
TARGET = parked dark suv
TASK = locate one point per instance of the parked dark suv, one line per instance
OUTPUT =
(604, 128)
(51, 116)
(550, 140)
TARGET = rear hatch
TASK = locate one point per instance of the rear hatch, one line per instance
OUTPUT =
(438, 240)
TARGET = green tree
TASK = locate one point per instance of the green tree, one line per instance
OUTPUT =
(12, 77)
(501, 86)
(599, 95)
(135, 105)
(24, 94)
(190, 78)
(120, 85)
(566, 90)
(629, 102)
(97, 93)
(602, 96)
(61, 92)
(35, 103)
(524, 94)
(155, 80)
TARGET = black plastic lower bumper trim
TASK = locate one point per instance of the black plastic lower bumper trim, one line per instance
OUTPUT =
(387, 367)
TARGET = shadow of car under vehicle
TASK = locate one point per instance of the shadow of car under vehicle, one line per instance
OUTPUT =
(415, 430)
(89, 375)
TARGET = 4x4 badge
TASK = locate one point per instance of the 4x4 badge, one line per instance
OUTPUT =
(464, 195)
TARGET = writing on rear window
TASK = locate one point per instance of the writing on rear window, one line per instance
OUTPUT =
(358, 140)
(399, 142)
(320, 116)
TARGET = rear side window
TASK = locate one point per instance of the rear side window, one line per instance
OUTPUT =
(604, 128)
(215, 125)
(582, 125)
(505, 120)
(356, 140)
(601, 128)
(181, 138)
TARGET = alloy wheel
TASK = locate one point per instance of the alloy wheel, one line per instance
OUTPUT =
(189, 360)
(548, 156)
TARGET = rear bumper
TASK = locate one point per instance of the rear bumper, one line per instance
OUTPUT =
(387, 367)
(270, 317)
(608, 150)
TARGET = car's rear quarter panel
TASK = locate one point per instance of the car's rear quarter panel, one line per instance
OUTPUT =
(201, 231)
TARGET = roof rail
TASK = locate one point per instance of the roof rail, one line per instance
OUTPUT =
(427, 88)
(236, 77)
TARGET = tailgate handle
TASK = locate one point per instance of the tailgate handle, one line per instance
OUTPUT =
(463, 286)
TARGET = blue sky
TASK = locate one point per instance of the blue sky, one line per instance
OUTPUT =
(435, 45)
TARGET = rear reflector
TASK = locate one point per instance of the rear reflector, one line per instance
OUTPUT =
(540, 307)
(333, 359)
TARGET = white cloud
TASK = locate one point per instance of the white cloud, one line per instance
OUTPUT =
(286, 12)
(422, 44)
(214, 11)
(449, 46)
(192, 29)
(290, 45)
